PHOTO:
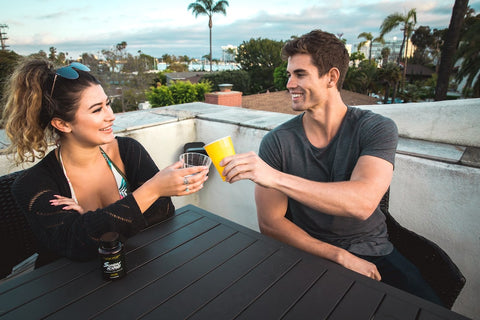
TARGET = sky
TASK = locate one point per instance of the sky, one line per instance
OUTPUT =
(157, 27)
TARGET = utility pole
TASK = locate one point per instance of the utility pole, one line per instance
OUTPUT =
(3, 36)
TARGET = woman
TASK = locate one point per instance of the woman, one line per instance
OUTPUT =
(92, 182)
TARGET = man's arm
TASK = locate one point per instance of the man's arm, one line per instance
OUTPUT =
(357, 197)
(271, 208)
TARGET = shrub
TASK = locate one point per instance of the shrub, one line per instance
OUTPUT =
(280, 76)
(177, 93)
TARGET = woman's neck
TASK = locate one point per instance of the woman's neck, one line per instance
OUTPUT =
(79, 156)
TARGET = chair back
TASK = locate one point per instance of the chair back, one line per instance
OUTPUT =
(436, 267)
(17, 241)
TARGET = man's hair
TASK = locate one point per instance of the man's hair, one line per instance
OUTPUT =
(325, 49)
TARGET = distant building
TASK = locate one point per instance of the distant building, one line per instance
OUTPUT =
(193, 77)
(394, 46)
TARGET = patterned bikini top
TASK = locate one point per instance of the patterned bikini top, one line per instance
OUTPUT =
(120, 178)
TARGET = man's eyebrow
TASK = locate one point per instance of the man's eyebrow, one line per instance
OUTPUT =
(297, 71)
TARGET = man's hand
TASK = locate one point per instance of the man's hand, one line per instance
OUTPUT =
(359, 265)
(248, 166)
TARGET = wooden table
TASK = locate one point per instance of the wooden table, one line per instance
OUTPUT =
(200, 266)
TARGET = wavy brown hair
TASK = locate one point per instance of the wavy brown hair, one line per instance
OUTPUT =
(325, 49)
(30, 106)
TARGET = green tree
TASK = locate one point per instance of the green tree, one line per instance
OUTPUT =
(390, 75)
(385, 53)
(168, 58)
(423, 40)
(52, 56)
(8, 61)
(357, 57)
(61, 58)
(91, 61)
(121, 47)
(239, 78)
(449, 48)
(280, 76)
(111, 59)
(160, 78)
(259, 57)
(352, 79)
(208, 8)
(436, 49)
(468, 54)
(362, 79)
(178, 67)
(370, 40)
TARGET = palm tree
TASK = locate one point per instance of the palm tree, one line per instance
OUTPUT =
(208, 7)
(390, 75)
(406, 22)
(467, 53)
(370, 40)
(385, 53)
(449, 47)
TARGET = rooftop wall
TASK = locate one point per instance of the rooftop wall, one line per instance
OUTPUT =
(434, 191)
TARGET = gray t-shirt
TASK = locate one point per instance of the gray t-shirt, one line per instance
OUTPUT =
(362, 132)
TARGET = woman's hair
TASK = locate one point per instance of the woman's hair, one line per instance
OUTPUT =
(325, 49)
(32, 102)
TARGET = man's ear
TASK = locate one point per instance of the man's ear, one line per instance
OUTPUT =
(60, 125)
(334, 75)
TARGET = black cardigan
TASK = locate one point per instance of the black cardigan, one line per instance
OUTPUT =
(70, 234)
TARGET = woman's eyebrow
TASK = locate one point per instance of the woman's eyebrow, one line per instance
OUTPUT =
(97, 104)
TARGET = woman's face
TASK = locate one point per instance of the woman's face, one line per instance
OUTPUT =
(94, 118)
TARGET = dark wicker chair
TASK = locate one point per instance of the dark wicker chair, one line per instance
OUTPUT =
(17, 241)
(434, 264)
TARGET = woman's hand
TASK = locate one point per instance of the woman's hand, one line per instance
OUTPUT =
(68, 203)
(177, 181)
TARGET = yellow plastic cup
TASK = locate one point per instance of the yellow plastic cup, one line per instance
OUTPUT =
(219, 149)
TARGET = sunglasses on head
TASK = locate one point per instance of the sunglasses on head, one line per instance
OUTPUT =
(69, 72)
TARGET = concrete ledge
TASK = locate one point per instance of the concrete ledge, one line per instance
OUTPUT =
(453, 122)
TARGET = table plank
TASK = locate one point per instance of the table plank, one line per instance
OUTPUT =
(284, 294)
(206, 289)
(234, 299)
(360, 302)
(392, 307)
(331, 287)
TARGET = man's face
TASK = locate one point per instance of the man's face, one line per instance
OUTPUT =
(308, 90)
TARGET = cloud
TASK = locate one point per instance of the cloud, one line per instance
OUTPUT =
(174, 29)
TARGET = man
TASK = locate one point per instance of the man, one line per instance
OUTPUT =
(320, 176)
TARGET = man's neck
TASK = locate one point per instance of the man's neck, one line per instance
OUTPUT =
(322, 124)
